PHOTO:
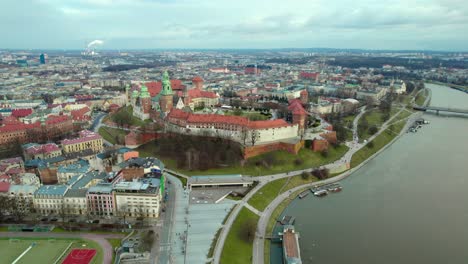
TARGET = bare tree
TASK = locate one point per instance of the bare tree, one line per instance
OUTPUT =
(244, 134)
(254, 136)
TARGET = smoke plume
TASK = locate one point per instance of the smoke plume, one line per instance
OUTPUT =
(95, 42)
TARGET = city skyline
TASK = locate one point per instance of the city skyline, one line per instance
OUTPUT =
(185, 24)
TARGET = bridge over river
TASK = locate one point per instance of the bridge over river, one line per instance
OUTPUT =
(440, 109)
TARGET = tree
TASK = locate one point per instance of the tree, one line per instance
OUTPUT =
(237, 112)
(373, 129)
(244, 134)
(122, 118)
(247, 232)
(305, 175)
(254, 136)
(324, 153)
(370, 144)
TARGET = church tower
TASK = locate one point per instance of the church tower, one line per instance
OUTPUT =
(145, 99)
(166, 94)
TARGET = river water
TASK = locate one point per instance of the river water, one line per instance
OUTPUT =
(408, 205)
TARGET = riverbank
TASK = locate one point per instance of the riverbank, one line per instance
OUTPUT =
(394, 197)
(384, 140)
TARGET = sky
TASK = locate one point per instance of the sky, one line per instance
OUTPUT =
(207, 24)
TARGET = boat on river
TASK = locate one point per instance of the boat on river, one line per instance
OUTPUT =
(321, 193)
(304, 194)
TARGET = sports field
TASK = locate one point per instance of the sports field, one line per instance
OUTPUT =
(45, 251)
(80, 256)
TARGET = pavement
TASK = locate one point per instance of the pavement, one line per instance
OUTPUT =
(101, 239)
(164, 251)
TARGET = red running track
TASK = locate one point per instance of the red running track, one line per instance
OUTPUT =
(80, 256)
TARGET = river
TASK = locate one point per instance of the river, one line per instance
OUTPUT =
(408, 205)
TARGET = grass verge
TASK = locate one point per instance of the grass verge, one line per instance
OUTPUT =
(284, 162)
(236, 250)
(263, 197)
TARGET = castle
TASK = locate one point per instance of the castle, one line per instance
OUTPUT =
(159, 100)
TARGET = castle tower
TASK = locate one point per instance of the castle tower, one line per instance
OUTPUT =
(197, 82)
(166, 94)
(304, 97)
(135, 95)
(145, 99)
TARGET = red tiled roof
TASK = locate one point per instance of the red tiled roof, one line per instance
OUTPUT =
(21, 112)
(80, 113)
(197, 79)
(52, 119)
(4, 187)
(309, 75)
(222, 119)
(195, 93)
(10, 120)
(177, 113)
(154, 88)
(46, 148)
(18, 127)
(85, 135)
(295, 106)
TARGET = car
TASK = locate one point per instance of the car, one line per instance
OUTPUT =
(54, 220)
(45, 219)
(95, 222)
(72, 220)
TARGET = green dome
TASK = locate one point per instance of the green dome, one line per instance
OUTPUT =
(144, 91)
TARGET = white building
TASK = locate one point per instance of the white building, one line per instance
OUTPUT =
(138, 198)
(48, 199)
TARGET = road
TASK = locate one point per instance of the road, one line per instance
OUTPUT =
(97, 123)
(101, 239)
(162, 251)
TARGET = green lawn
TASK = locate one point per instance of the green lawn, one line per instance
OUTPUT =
(110, 134)
(380, 141)
(236, 250)
(349, 120)
(284, 162)
(45, 251)
(374, 117)
(250, 115)
(134, 121)
(61, 230)
(266, 194)
(115, 243)
(421, 97)
(263, 197)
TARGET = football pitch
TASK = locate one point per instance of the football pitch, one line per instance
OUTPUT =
(43, 251)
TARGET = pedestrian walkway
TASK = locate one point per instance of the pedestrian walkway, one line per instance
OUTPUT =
(251, 208)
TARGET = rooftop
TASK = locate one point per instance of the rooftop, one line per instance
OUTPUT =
(55, 190)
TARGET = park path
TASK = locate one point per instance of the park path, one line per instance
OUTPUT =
(101, 239)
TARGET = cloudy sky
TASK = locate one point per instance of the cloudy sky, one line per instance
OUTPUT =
(146, 24)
